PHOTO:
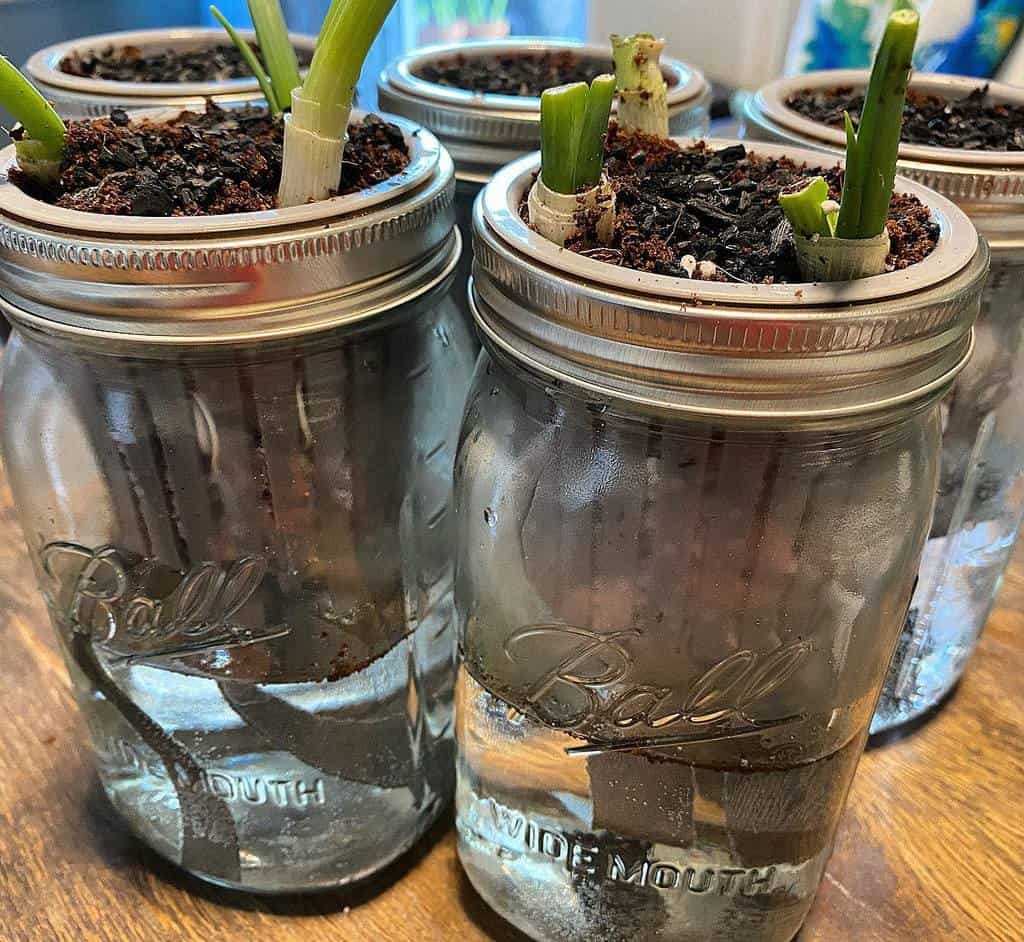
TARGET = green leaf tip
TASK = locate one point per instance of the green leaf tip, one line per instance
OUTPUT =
(574, 119)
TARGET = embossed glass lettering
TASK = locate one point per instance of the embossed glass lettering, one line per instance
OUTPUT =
(591, 683)
(97, 592)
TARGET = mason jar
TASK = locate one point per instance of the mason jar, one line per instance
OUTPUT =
(980, 503)
(484, 132)
(74, 96)
(230, 442)
(689, 518)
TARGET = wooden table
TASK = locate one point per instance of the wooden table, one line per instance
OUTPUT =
(931, 847)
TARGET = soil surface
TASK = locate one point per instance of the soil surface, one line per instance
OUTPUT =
(134, 64)
(722, 207)
(520, 75)
(200, 164)
(972, 123)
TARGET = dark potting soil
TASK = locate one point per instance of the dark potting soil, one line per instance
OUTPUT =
(972, 123)
(722, 207)
(518, 74)
(133, 64)
(201, 164)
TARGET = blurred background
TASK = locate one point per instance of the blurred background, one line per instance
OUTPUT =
(740, 44)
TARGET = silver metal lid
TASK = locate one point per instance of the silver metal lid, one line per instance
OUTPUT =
(485, 132)
(231, 278)
(76, 97)
(753, 353)
(980, 181)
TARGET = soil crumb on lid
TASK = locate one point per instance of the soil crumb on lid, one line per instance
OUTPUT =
(522, 75)
(133, 64)
(200, 164)
(676, 206)
(975, 122)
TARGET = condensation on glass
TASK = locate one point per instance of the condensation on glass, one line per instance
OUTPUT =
(980, 500)
(231, 458)
(688, 536)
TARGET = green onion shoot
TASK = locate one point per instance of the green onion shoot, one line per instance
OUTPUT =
(810, 210)
(573, 121)
(854, 243)
(278, 73)
(41, 145)
(315, 131)
(282, 64)
(643, 94)
(252, 60)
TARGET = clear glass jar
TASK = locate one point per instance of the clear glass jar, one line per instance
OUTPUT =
(688, 534)
(624, 576)
(231, 458)
(980, 502)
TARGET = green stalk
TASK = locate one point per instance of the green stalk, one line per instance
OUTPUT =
(563, 111)
(316, 129)
(349, 30)
(807, 210)
(572, 185)
(590, 152)
(643, 94)
(573, 122)
(872, 151)
(498, 10)
(41, 150)
(277, 49)
(252, 60)
(35, 114)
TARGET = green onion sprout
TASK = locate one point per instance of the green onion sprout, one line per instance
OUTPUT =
(252, 60)
(573, 121)
(282, 65)
(315, 131)
(872, 152)
(810, 211)
(643, 94)
(280, 76)
(854, 243)
(41, 149)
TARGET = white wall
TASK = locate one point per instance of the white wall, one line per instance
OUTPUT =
(741, 43)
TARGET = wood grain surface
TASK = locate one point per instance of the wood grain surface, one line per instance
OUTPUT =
(931, 846)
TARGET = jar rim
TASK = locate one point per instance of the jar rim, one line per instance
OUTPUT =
(771, 100)
(44, 65)
(237, 277)
(776, 353)
(686, 83)
(425, 157)
(957, 245)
